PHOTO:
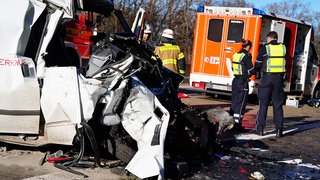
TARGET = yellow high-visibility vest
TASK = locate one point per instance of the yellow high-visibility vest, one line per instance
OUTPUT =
(237, 65)
(276, 62)
(169, 54)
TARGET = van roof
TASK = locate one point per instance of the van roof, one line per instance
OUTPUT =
(247, 11)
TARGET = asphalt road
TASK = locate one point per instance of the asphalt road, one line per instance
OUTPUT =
(244, 152)
(295, 156)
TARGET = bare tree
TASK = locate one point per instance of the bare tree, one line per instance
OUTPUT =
(178, 15)
(292, 8)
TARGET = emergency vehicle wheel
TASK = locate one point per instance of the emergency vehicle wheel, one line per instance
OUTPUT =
(316, 92)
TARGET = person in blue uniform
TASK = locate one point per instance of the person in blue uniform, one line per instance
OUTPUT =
(242, 68)
(271, 63)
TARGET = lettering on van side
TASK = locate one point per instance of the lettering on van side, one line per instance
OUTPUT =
(12, 62)
(212, 60)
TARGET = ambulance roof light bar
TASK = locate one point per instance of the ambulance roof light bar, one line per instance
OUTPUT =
(230, 10)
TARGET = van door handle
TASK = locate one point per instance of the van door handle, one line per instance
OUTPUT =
(227, 49)
(25, 70)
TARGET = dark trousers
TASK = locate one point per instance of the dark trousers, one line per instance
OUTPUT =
(239, 97)
(270, 88)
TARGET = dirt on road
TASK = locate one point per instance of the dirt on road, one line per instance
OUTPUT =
(275, 158)
(238, 156)
(18, 162)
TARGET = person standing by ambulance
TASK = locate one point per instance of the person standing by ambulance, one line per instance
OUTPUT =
(169, 53)
(271, 63)
(242, 68)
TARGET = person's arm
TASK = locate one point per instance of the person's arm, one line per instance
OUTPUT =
(259, 61)
(249, 65)
(261, 57)
(181, 63)
(156, 52)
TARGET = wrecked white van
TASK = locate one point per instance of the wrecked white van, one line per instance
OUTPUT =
(124, 104)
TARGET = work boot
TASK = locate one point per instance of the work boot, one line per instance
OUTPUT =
(279, 133)
(259, 133)
(239, 127)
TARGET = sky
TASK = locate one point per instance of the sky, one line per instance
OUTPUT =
(314, 4)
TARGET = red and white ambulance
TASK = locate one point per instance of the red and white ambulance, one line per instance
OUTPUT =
(217, 35)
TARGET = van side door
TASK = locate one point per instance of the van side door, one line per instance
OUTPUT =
(20, 96)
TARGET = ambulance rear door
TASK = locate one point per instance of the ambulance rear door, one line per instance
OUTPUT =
(287, 33)
(220, 41)
(279, 27)
(217, 36)
(223, 46)
(290, 43)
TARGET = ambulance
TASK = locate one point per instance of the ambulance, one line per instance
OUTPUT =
(217, 35)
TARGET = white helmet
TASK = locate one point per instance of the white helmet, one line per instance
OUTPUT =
(167, 33)
(147, 29)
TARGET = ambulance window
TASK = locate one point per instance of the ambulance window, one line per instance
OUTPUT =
(235, 32)
(215, 30)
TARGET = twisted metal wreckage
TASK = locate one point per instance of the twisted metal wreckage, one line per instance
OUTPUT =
(125, 104)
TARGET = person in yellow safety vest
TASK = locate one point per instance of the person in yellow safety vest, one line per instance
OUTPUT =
(242, 69)
(169, 53)
(272, 64)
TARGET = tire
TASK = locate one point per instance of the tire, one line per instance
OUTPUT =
(316, 92)
(120, 150)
